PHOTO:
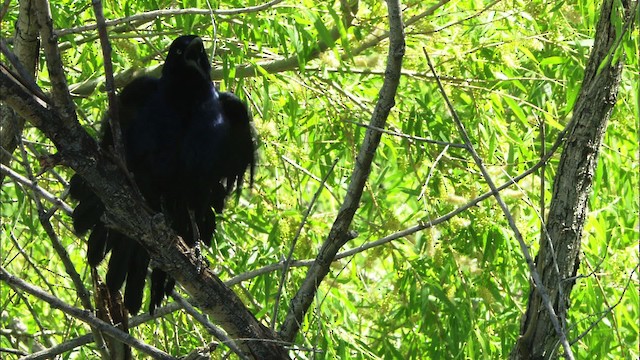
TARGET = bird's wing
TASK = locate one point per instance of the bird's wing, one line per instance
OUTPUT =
(241, 152)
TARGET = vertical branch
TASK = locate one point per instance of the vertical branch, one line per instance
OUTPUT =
(114, 121)
(59, 89)
(543, 203)
(572, 185)
(339, 233)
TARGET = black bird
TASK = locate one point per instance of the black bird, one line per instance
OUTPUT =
(188, 147)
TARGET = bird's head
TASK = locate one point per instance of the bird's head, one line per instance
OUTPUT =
(187, 59)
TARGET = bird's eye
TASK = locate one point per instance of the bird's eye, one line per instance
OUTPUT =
(179, 52)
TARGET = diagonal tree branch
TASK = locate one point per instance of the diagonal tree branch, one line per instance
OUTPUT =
(84, 315)
(59, 89)
(559, 330)
(114, 121)
(340, 233)
(7, 171)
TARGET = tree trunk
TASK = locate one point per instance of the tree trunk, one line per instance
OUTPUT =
(558, 258)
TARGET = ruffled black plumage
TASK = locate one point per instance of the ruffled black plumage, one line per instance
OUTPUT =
(188, 147)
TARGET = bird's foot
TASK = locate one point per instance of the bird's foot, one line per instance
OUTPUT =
(201, 262)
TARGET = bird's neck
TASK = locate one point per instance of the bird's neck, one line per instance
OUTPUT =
(188, 92)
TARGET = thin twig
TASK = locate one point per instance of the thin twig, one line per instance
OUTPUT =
(409, 137)
(214, 330)
(432, 170)
(287, 262)
(82, 315)
(152, 15)
(110, 87)
(608, 310)
(36, 188)
(523, 246)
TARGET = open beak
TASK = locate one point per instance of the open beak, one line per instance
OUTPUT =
(195, 56)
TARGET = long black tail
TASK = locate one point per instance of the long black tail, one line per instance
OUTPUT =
(129, 260)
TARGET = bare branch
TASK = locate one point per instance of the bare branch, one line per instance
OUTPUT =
(152, 15)
(59, 89)
(287, 262)
(83, 315)
(339, 233)
(5, 170)
(409, 137)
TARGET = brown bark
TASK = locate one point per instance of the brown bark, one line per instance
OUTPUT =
(558, 258)
(25, 48)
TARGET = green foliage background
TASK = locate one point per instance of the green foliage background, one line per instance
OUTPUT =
(454, 291)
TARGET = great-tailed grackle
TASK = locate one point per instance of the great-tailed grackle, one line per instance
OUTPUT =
(188, 146)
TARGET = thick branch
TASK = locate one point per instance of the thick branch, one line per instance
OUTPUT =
(572, 188)
(339, 233)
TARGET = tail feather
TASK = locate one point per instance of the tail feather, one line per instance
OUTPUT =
(137, 272)
(158, 280)
(118, 267)
(97, 244)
